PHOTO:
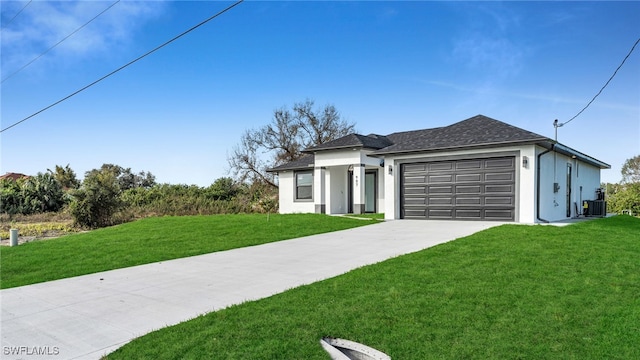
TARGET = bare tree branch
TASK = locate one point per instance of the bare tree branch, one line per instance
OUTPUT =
(284, 138)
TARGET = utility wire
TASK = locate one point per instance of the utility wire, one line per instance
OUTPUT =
(15, 16)
(124, 66)
(605, 85)
(58, 43)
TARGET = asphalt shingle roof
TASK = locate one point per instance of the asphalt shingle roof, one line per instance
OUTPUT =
(353, 140)
(476, 131)
(305, 162)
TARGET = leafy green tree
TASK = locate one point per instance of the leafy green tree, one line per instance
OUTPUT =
(126, 178)
(223, 188)
(625, 196)
(631, 170)
(98, 199)
(42, 193)
(65, 176)
(11, 196)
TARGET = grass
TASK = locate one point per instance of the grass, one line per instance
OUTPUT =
(510, 292)
(151, 240)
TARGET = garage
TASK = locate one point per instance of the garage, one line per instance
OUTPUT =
(464, 189)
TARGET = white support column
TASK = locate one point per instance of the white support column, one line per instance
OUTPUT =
(358, 189)
(319, 190)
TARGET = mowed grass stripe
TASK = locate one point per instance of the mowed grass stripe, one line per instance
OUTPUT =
(510, 292)
(152, 240)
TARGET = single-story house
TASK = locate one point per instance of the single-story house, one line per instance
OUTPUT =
(475, 169)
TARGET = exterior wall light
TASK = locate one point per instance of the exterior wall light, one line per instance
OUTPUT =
(390, 170)
(525, 162)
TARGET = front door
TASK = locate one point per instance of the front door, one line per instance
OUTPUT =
(350, 192)
(568, 190)
(370, 185)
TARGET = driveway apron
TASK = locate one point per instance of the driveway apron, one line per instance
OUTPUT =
(88, 316)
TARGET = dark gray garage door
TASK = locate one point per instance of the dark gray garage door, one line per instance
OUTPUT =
(473, 189)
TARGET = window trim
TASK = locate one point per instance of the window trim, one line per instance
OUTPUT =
(296, 186)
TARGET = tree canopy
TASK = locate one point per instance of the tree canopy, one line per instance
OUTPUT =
(284, 138)
(631, 170)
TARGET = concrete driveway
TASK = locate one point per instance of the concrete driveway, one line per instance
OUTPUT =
(89, 316)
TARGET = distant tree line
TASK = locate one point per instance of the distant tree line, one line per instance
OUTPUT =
(113, 194)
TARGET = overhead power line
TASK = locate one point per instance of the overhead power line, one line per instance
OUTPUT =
(125, 65)
(59, 42)
(15, 16)
(603, 87)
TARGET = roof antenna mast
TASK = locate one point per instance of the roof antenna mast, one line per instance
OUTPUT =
(556, 125)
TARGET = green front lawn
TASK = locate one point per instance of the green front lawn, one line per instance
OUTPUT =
(510, 292)
(152, 240)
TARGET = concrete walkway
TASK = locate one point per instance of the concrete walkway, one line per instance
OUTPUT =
(88, 316)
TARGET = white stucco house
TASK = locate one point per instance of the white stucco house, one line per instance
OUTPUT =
(475, 169)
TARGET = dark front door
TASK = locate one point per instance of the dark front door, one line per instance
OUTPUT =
(370, 186)
(568, 190)
(350, 192)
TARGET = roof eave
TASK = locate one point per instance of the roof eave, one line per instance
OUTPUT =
(575, 154)
(477, 146)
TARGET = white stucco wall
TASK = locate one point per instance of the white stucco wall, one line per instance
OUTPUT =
(553, 205)
(334, 165)
(286, 192)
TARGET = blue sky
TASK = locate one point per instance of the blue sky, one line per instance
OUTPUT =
(387, 66)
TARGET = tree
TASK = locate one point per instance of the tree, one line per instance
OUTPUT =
(97, 200)
(126, 179)
(631, 170)
(11, 196)
(223, 188)
(42, 193)
(626, 195)
(284, 139)
(65, 176)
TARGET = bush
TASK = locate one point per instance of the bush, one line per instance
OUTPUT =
(37, 194)
(97, 201)
(626, 197)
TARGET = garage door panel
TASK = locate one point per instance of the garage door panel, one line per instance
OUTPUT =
(499, 200)
(472, 189)
(440, 166)
(416, 201)
(468, 214)
(415, 190)
(499, 215)
(415, 167)
(476, 200)
(440, 189)
(439, 201)
(415, 179)
(473, 177)
(435, 179)
(414, 213)
(499, 176)
(499, 189)
(499, 163)
(468, 189)
(439, 213)
(468, 164)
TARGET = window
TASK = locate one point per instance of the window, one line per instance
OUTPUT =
(304, 185)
